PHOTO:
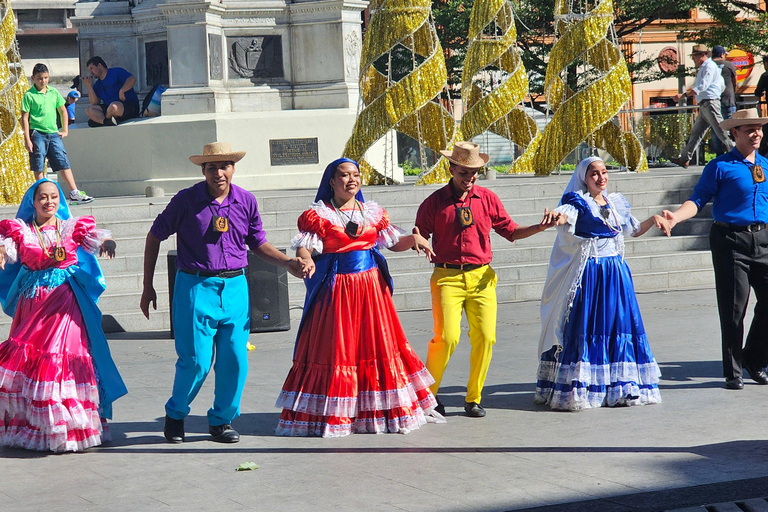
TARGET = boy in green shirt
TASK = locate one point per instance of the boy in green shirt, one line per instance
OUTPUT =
(41, 135)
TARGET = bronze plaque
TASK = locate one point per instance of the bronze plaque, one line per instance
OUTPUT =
(293, 151)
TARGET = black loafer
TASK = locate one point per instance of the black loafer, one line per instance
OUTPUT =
(439, 408)
(759, 376)
(474, 410)
(174, 430)
(224, 434)
(734, 383)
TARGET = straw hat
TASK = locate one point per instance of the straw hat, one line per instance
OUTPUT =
(217, 152)
(742, 117)
(699, 48)
(466, 154)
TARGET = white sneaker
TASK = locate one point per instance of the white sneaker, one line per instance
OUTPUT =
(79, 197)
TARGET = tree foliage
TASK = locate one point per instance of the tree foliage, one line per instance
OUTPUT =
(738, 23)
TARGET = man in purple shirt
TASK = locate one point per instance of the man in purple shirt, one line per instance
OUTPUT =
(215, 223)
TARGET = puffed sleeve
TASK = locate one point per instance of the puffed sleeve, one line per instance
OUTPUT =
(387, 234)
(630, 225)
(312, 230)
(569, 208)
(11, 233)
(86, 235)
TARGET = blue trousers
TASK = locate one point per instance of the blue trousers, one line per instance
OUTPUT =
(211, 318)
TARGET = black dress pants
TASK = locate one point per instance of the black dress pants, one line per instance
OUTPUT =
(740, 259)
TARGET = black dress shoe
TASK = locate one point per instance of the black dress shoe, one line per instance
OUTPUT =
(439, 408)
(224, 434)
(474, 410)
(173, 430)
(758, 376)
(734, 383)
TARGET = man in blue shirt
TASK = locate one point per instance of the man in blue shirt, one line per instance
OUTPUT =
(112, 97)
(736, 184)
(707, 88)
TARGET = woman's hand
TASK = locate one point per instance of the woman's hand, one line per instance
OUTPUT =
(307, 267)
(663, 224)
(551, 218)
(108, 247)
(420, 244)
(2, 257)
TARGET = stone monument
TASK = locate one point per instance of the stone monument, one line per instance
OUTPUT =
(277, 78)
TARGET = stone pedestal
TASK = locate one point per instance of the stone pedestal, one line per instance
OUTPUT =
(289, 150)
(239, 56)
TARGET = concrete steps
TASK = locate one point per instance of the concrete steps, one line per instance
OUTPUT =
(657, 262)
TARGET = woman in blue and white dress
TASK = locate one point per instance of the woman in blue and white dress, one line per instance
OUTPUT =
(593, 348)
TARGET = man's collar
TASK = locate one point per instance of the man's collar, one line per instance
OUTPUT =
(454, 191)
(203, 195)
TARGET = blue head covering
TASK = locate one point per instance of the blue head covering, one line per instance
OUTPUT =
(324, 191)
(27, 207)
(92, 277)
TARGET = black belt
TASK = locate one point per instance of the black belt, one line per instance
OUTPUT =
(224, 274)
(735, 227)
(463, 266)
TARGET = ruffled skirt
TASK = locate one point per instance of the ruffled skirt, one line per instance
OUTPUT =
(353, 369)
(605, 359)
(49, 398)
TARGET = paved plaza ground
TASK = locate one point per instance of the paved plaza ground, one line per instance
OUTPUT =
(704, 444)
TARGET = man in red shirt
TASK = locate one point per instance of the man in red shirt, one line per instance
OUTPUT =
(460, 217)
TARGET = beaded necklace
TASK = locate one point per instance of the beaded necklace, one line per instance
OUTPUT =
(59, 253)
(351, 228)
(606, 212)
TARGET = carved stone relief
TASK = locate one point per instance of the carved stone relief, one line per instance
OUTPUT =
(352, 55)
(255, 57)
(216, 64)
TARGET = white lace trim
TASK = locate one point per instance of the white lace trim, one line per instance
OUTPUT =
(11, 253)
(93, 240)
(571, 215)
(310, 241)
(348, 407)
(622, 381)
(400, 424)
(389, 237)
(373, 213)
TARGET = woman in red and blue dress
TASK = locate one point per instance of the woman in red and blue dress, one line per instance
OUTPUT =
(57, 378)
(353, 369)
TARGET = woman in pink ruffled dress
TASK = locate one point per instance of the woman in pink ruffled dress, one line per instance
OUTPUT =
(57, 377)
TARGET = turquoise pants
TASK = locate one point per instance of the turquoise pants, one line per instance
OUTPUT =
(211, 318)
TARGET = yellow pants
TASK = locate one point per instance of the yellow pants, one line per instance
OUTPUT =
(474, 291)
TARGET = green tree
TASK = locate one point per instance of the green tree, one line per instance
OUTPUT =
(741, 23)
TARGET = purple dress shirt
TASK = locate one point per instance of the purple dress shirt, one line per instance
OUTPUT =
(199, 246)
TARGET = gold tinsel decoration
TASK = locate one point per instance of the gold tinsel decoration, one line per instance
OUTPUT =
(410, 105)
(589, 112)
(492, 46)
(14, 159)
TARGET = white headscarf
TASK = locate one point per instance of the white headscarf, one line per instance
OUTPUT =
(578, 183)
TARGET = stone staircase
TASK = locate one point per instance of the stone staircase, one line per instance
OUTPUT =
(657, 263)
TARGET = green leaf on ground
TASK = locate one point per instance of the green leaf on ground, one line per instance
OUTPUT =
(247, 466)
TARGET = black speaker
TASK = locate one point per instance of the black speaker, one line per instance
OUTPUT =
(267, 290)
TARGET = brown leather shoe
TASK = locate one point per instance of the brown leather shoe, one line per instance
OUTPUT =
(679, 161)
